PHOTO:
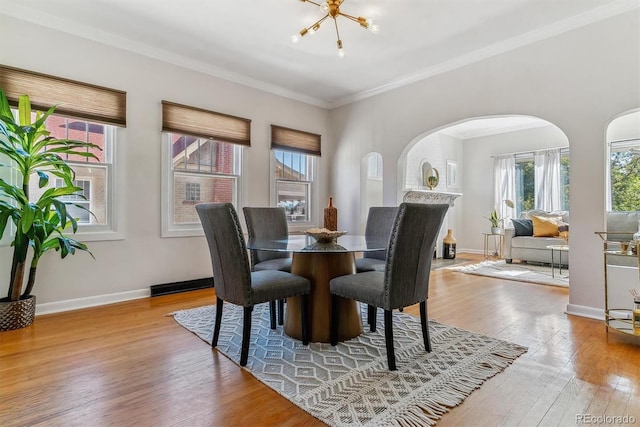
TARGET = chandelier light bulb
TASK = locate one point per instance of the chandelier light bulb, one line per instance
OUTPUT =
(325, 7)
(374, 28)
(340, 49)
(295, 38)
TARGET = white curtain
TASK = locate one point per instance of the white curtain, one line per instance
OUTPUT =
(504, 178)
(548, 182)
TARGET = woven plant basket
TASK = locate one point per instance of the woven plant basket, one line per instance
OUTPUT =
(17, 314)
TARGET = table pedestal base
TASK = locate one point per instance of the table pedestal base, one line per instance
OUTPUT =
(320, 268)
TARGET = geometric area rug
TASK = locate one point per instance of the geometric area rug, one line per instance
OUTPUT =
(349, 384)
(521, 272)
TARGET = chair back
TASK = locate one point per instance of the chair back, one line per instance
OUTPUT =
(379, 223)
(413, 238)
(231, 271)
(266, 223)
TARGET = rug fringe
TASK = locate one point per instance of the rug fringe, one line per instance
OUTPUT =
(427, 410)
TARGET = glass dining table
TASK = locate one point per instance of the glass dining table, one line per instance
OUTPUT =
(321, 262)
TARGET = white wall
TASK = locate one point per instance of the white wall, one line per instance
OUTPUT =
(143, 258)
(578, 81)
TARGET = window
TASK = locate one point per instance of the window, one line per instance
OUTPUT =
(294, 176)
(84, 112)
(527, 191)
(374, 166)
(96, 176)
(201, 153)
(293, 162)
(525, 183)
(192, 191)
(624, 173)
(202, 171)
(80, 202)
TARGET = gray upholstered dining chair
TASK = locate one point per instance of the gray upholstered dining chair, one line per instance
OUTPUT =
(268, 223)
(405, 280)
(233, 279)
(379, 223)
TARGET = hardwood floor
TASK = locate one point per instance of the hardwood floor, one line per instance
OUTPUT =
(130, 364)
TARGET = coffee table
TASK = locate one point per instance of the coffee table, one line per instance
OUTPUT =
(559, 249)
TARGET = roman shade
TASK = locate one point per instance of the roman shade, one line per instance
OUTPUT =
(75, 99)
(205, 124)
(295, 140)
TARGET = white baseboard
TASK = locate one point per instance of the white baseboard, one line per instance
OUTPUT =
(74, 304)
(470, 251)
(584, 311)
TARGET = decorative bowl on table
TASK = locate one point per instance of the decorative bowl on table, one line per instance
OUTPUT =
(323, 235)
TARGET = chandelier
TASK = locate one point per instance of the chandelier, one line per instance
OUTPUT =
(332, 10)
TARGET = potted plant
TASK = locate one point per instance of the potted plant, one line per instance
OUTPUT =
(40, 223)
(495, 221)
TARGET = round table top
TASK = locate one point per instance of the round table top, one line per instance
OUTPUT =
(303, 243)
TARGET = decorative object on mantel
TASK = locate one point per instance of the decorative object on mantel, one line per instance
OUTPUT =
(449, 246)
(331, 216)
(424, 196)
(349, 384)
(40, 222)
(332, 10)
(431, 178)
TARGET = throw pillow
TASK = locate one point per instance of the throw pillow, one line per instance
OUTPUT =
(522, 227)
(545, 226)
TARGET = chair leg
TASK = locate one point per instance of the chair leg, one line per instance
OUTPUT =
(425, 326)
(335, 318)
(281, 312)
(246, 335)
(216, 326)
(388, 335)
(372, 314)
(272, 313)
(305, 319)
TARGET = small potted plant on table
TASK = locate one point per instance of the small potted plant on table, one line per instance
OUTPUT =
(495, 221)
(40, 223)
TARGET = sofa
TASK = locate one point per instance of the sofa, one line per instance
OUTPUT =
(620, 227)
(520, 243)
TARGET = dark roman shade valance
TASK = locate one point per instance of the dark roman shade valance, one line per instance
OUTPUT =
(205, 124)
(295, 140)
(75, 99)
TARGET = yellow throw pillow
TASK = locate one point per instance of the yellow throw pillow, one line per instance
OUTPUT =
(545, 226)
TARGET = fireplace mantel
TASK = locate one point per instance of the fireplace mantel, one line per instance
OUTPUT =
(430, 196)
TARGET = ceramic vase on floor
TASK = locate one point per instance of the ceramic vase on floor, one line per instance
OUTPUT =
(449, 246)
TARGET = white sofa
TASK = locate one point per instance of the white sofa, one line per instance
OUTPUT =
(620, 226)
(530, 248)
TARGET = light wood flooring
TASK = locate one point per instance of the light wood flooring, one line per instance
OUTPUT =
(130, 364)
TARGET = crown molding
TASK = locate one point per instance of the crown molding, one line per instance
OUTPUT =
(592, 16)
(87, 32)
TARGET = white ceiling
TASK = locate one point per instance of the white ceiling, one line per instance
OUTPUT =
(248, 41)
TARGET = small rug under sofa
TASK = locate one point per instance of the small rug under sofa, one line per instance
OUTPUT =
(521, 272)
